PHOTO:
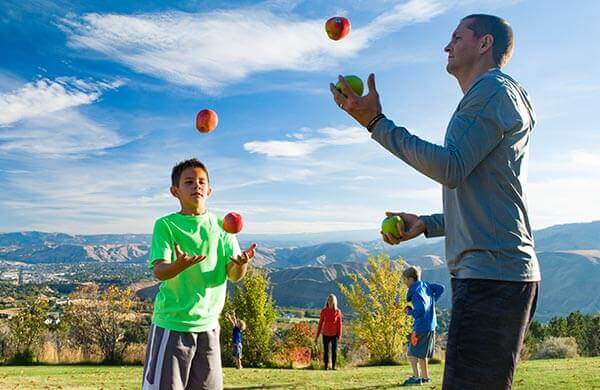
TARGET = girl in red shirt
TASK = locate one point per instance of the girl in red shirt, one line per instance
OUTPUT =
(330, 325)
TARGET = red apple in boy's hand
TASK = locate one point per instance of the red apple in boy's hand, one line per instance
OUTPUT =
(232, 223)
(206, 121)
(337, 27)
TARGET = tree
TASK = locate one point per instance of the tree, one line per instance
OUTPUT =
(252, 302)
(27, 326)
(101, 319)
(377, 297)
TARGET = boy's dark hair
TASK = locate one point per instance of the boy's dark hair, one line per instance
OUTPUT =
(412, 272)
(180, 167)
(498, 28)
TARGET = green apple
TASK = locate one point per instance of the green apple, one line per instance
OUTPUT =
(354, 82)
(390, 225)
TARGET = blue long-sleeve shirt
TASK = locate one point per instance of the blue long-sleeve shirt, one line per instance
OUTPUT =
(482, 167)
(423, 296)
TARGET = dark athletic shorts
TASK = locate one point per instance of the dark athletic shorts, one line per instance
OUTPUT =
(422, 345)
(487, 328)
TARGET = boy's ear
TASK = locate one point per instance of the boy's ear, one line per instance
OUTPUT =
(209, 191)
(174, 191)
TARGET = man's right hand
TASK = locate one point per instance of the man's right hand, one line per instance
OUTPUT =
(413, 227)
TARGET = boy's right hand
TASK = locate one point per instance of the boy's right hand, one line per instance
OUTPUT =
(184, 260)
(413, 227)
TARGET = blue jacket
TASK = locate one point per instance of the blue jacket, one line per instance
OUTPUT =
(423, 296)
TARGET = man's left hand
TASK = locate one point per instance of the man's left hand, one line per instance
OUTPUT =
(361, 108)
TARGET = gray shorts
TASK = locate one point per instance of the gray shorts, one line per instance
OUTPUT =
(182, 360)
(422, 345)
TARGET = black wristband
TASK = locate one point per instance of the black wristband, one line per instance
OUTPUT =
(374, 121)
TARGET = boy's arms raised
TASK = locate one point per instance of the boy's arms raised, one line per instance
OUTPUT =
(164, 269)
(231, 318)
(238, 267)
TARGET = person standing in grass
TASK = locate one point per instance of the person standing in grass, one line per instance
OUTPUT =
(330, 326)
(193, 257)
(236, 338)
(423, 296)
(482, 167)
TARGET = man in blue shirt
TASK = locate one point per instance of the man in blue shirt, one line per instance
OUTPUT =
(482, 167)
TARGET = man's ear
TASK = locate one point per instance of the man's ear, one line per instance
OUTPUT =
(174, 191)
(485, 43)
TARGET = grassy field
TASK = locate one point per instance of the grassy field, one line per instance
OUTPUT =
(582, 373)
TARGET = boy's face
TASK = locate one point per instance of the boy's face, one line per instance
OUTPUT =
(193, 189)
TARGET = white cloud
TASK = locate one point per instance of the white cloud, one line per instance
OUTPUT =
(214, 49)
(42, 118)
(563, 200)
(46, 96)
(68, 133)
(578, 162)
(304, 146)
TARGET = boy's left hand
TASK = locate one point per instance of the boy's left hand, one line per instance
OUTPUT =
(245, 257)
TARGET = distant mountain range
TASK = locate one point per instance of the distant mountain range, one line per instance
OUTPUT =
(305, 268)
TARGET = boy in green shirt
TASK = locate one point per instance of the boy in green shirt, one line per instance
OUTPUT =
(193, 257)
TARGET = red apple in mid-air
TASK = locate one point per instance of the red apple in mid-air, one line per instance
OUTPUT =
(232, 223)
(206, 121)
(337, 27)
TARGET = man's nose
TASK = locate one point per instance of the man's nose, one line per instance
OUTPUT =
(447, 48)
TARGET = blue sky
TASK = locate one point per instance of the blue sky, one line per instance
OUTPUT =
(98, 101)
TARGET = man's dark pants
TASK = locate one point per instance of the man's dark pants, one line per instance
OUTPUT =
(488, 325)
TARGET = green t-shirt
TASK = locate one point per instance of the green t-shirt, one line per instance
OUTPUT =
(192, 300)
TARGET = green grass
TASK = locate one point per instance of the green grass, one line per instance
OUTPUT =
(582, 373)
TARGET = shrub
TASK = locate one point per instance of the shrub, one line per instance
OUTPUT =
(556, 348)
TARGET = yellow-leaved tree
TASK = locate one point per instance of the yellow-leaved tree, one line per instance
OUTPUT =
(377, 297)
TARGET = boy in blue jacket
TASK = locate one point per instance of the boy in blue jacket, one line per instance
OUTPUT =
(423, 296)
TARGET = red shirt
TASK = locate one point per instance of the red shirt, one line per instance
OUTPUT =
(330, 323)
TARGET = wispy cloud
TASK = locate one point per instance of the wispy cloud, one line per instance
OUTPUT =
(41, 117)
(69, 133)
(214, 49)
(46, 96)
(306, 144)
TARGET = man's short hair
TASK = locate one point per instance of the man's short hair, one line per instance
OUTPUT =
(412, 272)
(498, 28)
(182, 166)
